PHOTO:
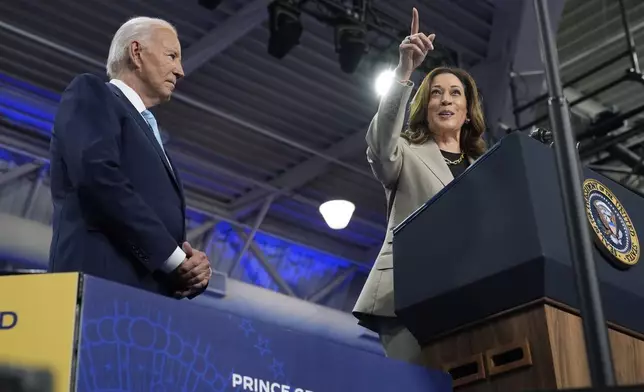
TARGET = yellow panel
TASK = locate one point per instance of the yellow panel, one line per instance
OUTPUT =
(38, 323)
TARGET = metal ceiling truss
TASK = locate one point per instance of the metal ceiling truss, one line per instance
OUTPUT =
(22, 171)
(384, 24)
(614, 145)
(329, 288)
(217, 213)
(605, 44)
(596, 138)
(19, 172)
(224, 35)
(211, 44)
(263, 260)
(272, 134)
(218, 40)
(376, 20)
(302, 173)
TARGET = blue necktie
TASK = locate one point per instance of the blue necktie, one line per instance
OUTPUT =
(152, 122)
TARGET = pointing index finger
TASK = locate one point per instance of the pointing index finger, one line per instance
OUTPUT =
(414, 22)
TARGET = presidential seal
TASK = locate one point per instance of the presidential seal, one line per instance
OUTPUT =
(614, 231)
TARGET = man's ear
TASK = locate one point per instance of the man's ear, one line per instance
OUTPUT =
(135, 50)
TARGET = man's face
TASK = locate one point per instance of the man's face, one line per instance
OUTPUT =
(159, 64)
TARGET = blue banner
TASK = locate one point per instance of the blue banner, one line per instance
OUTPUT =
(136, 341)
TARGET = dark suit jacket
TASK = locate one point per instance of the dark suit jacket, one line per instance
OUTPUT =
(119, 208)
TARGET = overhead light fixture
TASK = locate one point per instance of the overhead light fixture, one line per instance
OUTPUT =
(285, 28)
(384, 82)
(337, 213)
(209, 4)
(350, 44)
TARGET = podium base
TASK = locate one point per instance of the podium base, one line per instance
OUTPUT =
(538, 347)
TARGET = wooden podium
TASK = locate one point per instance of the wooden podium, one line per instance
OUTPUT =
(492, 297)
(538, 346)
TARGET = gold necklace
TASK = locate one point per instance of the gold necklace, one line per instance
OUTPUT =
(456, 162)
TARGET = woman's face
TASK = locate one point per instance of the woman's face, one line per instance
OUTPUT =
(447, 109)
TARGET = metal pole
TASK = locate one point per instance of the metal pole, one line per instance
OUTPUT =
(513, 97)
(630, 42)
(569, 173)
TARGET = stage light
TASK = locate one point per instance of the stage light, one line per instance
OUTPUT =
(350, 44)
(384, 81)
(337, 213)
(209, 4)
(285, 28)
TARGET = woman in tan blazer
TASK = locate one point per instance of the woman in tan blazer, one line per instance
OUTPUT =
(441, 140)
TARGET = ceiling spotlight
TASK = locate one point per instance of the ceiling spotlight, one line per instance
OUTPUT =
(350, 44)
(384, 81)
(337, 213)
(285, 28)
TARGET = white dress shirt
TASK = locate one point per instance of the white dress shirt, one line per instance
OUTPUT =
(177, 257)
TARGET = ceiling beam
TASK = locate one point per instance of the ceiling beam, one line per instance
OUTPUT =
(301, 174)
(225, 34)
(263, 261)
(589, 108)
(198, 231)
(215, 111)
(621, 152)
(18, 172)
(13, 141)
(600, 46)
(329, 288)
(318, 242)
(269, 189)
(629, 157)
(270, 226)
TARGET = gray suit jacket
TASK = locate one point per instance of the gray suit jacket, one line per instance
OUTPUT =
(416, 173)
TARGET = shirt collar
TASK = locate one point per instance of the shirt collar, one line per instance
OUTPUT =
(130, 94)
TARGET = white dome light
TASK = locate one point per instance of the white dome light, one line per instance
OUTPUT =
(384, 81)
(337, 213)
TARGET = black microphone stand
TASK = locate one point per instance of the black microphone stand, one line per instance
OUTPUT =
(569, 173)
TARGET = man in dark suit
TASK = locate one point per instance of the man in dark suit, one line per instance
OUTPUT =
(119, 207)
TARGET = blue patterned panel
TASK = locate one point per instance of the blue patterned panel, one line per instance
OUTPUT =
(136, 341)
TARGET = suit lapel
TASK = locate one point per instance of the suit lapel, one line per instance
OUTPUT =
(145, 127)
(431, 156)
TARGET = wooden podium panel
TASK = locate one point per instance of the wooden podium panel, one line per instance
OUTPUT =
(539, 346)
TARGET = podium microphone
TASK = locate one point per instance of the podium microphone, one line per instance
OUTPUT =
(545, 136)
(542, 135)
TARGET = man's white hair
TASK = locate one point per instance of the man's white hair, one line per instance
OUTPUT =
(135, 29)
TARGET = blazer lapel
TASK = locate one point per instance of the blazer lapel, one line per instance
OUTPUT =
(145, 127)
(431, 156)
